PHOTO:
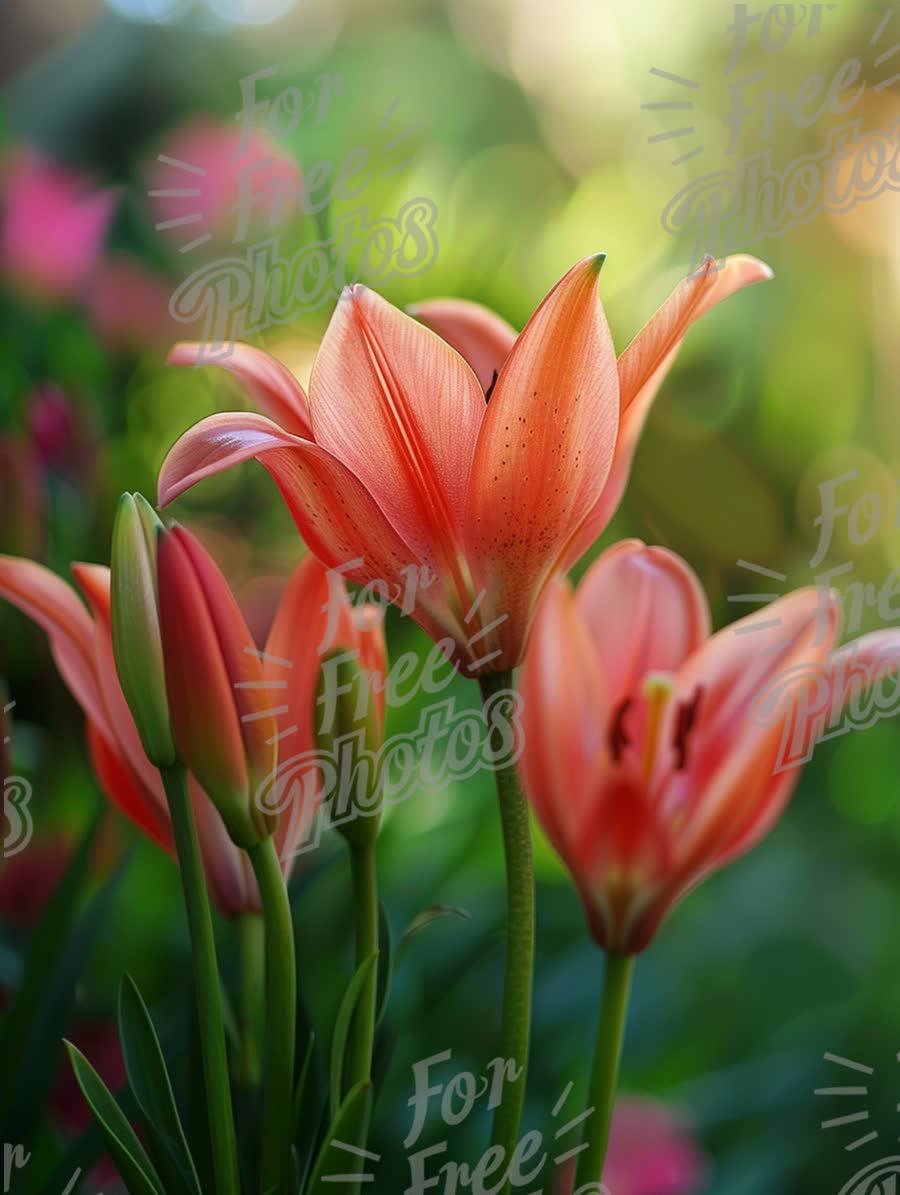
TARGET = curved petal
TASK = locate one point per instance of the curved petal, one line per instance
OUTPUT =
(338, 518)
(315, 599)
(545, 449)
(402, 411)
(479, 335)
(645, 611)
(205, 721)
(270, 385)
(251, 696)
(54, 606)
(643, 367)
(563, 720)
(731, 759)
(126, 791)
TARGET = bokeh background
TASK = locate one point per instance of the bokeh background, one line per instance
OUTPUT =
(523, 123)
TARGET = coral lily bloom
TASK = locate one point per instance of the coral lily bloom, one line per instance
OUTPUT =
(399, 458)
(652, 750)
(81, 642)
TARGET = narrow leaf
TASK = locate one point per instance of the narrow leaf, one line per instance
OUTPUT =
(340, 1153)
(342, 1029)
(149, 1079)
(385, 964)
(127, 1152)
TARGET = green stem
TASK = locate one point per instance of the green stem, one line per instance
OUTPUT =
(251, 952)
(365, 911)
(610, 1034)
(206, 982)
(519, 937)
(281, 1018)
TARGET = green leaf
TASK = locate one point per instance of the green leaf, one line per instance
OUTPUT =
(127, 1152)
(385, 965)
(348, 1128)
(149, 1079)
(342, 1029)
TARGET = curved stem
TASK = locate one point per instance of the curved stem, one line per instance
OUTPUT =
(365, 911)
(206, 982)
(251, 953)
(519, 938)
(281, 1018)
(610, 1034)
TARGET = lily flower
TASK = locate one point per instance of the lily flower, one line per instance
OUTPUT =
(81, 643)
(401, 458)
(654, 751)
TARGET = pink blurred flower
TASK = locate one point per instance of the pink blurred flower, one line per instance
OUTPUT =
(651, 1152)
(127, 304)
(53, 224)
(60, 432)
(221, 177)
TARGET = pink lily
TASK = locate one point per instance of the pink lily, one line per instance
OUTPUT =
(397, 461)
(653, 751)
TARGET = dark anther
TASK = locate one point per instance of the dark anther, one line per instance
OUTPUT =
(618, 739)
(684, 722)
(490, 389)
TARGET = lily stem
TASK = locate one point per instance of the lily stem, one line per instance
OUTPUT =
(519, 937)
(281, 1019)
(206, 982)
(610, 1035)
(365, 907)
(251, 953)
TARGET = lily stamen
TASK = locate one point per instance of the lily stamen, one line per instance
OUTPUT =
(658, 690)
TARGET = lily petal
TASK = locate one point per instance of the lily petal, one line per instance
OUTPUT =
(54, 606)
(126, 791)
(479, 335)
(336, 515)
(545, 448)
(250, 695)
(402, 410)
(645, 611)
(562, 718)
(270, 385)
(644, 365)
(293, 660)
(732, 773)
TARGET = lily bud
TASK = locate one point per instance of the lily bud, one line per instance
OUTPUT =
(223, 727)
(137, 643)
(348, 723)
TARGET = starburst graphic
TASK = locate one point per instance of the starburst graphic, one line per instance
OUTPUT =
(887, 55)
(480, 634)
(181, 193)
(853, 1091)
(674, 106)
(195, 200)
(275, 711)
(886, 58)
(574, 1123)
(356, 1152)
